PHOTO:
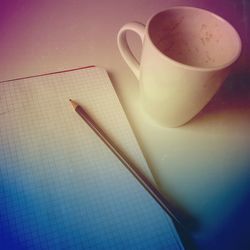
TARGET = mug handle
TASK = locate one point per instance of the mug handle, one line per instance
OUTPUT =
(124, 48)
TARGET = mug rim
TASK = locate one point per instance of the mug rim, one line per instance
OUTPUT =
(190, 67)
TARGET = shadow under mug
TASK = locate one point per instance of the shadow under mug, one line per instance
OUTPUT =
(186, 55)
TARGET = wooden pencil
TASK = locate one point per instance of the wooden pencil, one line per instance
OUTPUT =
(152, 190)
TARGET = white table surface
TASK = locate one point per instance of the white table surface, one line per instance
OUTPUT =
(202, 166)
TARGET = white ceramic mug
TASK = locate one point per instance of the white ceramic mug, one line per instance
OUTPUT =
(186, 55)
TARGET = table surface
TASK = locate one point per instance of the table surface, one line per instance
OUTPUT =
(203, 166)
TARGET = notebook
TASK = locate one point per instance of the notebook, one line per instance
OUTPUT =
(60, 186)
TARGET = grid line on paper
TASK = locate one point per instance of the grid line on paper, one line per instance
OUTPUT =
(60, 186)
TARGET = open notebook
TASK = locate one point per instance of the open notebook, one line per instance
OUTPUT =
(60, 186)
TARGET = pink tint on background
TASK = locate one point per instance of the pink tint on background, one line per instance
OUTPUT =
(40, 36)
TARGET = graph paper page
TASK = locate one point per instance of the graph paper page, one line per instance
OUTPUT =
(60, 186)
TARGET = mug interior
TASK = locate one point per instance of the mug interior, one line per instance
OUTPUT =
(194, 37)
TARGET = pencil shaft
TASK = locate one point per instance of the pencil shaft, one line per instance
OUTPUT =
(153, 191)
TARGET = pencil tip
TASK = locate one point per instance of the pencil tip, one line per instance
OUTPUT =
(74, 104)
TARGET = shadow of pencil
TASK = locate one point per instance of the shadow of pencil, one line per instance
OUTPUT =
(190, 224)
